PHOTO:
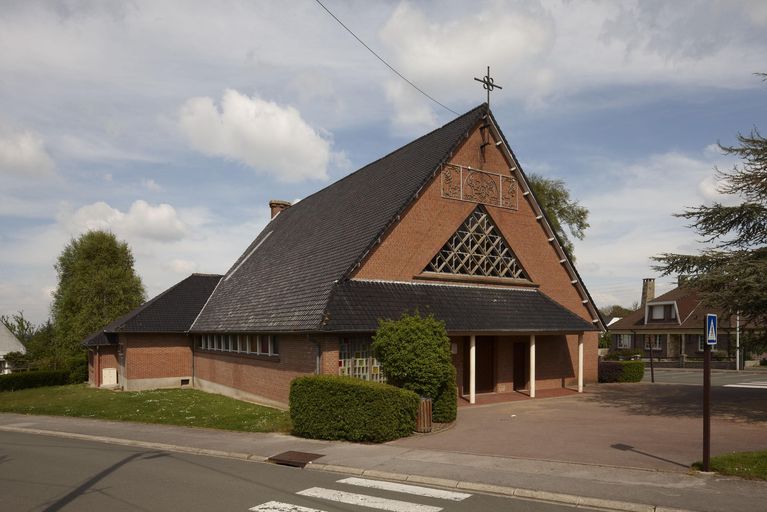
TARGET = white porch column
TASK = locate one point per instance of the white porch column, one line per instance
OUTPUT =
(472, 369)
(580, 363)
(532, 366)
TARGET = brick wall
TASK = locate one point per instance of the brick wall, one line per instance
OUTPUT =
(267, 377)
(152, 355)
(105, 358)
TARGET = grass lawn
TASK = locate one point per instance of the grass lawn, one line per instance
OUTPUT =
(751, 465)
(186, 407)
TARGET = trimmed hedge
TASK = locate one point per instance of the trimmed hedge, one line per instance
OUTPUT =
(334, 407)
(621, 371)
(34, 379)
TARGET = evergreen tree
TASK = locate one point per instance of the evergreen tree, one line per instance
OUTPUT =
(561, 211)
(97, 283)
(732, 274)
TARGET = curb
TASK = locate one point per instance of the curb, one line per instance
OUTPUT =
(530, 494)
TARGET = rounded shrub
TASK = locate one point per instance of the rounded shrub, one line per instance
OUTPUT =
(414, 352)
(621, 371)
(334, 407)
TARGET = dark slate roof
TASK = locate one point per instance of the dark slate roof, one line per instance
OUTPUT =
(356, 306)
(283, 280)
(174, 310)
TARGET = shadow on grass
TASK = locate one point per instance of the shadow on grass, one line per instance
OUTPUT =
(740, 404)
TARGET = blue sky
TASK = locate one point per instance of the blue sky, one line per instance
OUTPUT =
(173, 123)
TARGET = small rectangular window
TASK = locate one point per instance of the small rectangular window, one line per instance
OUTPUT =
(263, 345)
(275, 346)
(656, 312)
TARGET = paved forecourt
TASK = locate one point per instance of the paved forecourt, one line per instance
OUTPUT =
(47, 473)
(691, 376)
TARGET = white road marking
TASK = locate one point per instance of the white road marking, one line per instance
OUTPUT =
(750, 385)
(407, 489)
(364, 500)
(278, 506)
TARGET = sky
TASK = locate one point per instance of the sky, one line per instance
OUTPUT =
(173, 123)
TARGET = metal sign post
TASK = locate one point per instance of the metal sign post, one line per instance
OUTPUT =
(710, 341)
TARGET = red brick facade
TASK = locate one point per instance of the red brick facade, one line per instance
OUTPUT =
(104, 357)
(154, 356)
(431, 220)
(268, 376)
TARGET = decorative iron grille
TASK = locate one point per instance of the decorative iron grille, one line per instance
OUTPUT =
(355, 359)
(477, 249)
(475, 186)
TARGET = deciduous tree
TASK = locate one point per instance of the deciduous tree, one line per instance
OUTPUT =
(97, 283)
(561, 210)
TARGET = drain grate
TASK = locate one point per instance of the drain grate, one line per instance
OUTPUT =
(295, 459)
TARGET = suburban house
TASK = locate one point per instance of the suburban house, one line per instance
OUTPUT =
(8, 343)
(446, 225)
(673, 324)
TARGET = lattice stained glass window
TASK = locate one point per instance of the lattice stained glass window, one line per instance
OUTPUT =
(477, 249)
(355, 359)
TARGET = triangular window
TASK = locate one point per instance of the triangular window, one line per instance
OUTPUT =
(477, 249)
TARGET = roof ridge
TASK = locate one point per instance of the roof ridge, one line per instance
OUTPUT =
(421, 185)
(387, 155)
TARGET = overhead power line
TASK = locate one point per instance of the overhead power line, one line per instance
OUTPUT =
(414, 86)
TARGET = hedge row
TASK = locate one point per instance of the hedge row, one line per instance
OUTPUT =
(621, 371)
(333, 407)
(34, 379)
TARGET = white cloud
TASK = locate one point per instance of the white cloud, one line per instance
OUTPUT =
(261, 134)
(24, 154)
(143, 220)
(632, 211)
(151, 185)
(181, 266)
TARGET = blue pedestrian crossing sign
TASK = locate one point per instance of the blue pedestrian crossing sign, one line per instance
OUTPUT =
(711, 329)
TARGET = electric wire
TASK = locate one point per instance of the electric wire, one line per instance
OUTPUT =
(385, 63)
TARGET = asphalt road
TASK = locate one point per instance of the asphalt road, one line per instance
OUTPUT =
(40, 473)
(746, 379)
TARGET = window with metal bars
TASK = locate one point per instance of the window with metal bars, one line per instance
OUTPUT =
(477, 249)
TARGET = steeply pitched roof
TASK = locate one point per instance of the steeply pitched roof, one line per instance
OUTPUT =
(282, 282)
(174, 310)
(9, 342)
(356, 306)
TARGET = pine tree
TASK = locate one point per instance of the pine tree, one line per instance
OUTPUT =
(732, 275)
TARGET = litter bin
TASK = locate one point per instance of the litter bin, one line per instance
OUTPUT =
(423, 418)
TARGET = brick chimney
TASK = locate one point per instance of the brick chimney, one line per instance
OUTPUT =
(648, 290)
(277, 206)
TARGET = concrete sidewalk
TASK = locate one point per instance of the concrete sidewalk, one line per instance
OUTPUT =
(578, 484)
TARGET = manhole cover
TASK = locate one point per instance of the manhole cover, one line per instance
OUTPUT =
(295, 459)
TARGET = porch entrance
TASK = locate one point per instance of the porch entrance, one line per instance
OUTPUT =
(485, 355)
(521, 365)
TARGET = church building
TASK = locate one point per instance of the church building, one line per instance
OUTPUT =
(446, 225)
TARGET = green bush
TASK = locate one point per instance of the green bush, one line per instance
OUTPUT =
(333, 407)
(33, 379)
(633, 371)
(414, 353)
(445, 405)
(77, 366)
(621, 371)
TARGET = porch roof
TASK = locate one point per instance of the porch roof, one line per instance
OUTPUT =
(356, 306)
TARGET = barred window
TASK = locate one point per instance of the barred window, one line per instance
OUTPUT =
(477, 249)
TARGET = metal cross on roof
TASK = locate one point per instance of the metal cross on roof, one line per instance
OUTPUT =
(488, 84)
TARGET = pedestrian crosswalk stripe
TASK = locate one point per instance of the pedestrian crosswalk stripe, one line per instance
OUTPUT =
(364, 500)
(751, 385)
(278, 506)
(405, 488)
